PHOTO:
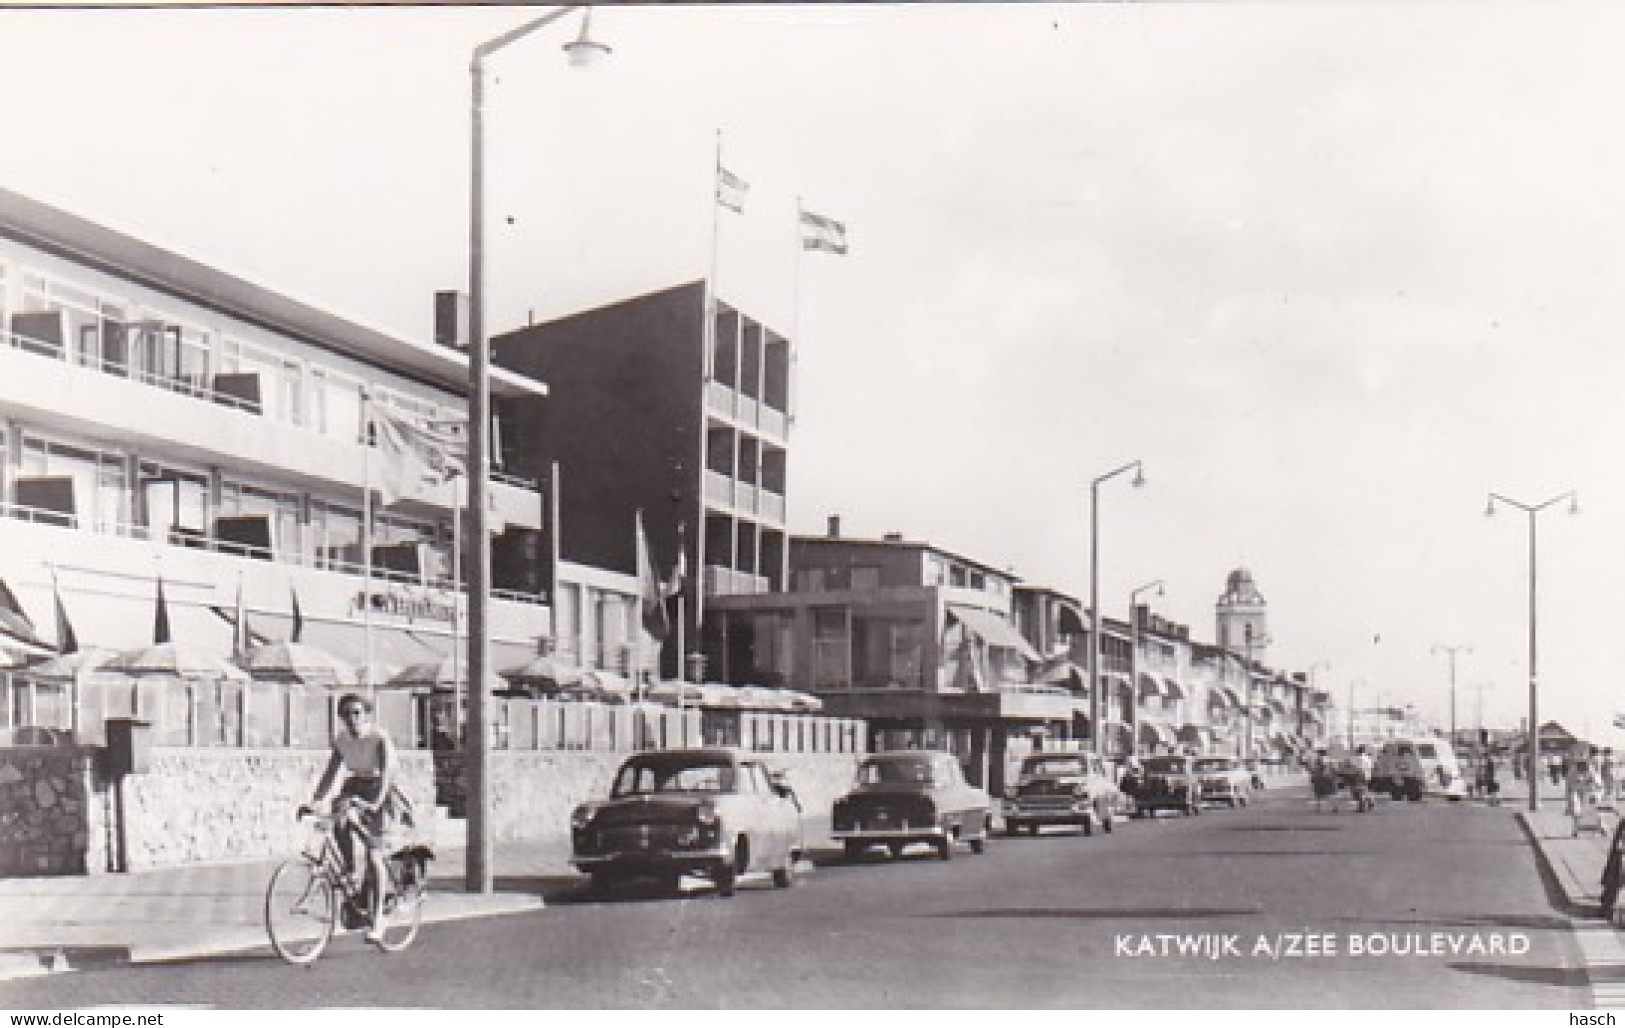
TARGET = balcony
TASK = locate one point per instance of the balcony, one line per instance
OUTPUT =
(727, 402)
(743, 498)
(721, 581)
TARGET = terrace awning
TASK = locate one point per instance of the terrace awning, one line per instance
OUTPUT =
(1160, 735)
(1150, 685)
(1173, 690)
(993, 630)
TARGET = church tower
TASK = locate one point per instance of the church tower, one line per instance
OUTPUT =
(1241, 615)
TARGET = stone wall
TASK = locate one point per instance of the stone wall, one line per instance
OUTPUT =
(205, 805)
(47, 803)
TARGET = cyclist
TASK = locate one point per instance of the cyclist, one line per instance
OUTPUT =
(367, 755)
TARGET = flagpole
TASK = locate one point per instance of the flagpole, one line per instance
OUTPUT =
(456, 609)
(708, 340)
(366, 538)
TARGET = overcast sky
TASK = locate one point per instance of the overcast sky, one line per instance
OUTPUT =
(1333, 271)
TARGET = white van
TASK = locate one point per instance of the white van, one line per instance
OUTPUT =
(1412, 768)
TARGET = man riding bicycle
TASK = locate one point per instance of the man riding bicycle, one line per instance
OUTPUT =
(366, 753)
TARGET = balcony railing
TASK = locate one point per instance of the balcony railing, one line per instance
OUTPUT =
(328, 561)
(721, 581)
(731, 403)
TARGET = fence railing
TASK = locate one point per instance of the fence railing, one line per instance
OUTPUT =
(285, 715)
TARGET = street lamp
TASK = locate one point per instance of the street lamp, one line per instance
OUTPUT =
(1096, 707)
(1452, 651)
(1533, 739)
(1248, 641)
(1133, 661)
(478, 877)
(1352, 684)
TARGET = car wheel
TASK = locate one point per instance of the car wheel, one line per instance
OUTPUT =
(945, 845)
(785, 877)
(978, 845)
(853, 848)
(1088, 826)
(727, 876)
(1012, 829)
(1106, 818)
(896, 848)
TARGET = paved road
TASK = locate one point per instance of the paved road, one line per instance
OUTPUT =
(1057, 921)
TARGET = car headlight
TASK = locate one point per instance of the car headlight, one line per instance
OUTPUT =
(582, 816)
(706, 814)
(1080, 792)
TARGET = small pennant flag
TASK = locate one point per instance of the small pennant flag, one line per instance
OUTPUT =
(653, 603)
(674, 585)
(731, 190)
(160, 618)
(298, 618)
(66, 640)
(821, 233)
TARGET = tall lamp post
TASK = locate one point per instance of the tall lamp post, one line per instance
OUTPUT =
(581, 51)
(1133, 661)
(1352, 684)
(1096, 707)
(1533, 739)
(1452, 651)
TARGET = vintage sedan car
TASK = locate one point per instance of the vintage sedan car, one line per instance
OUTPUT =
(714, 812)
(1061, 789)
(1224, 780)
(1164, 783)
(909, 796)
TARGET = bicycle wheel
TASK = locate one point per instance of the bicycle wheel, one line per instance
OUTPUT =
(299, 910)
(403, 908)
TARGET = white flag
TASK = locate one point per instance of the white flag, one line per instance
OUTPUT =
(821, 233)
(416, 454)
(731, 190)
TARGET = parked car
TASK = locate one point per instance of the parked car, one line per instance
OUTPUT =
(1061, 789)
(1224, 779)
(1164, 783)
(909, 796)
(714, 812)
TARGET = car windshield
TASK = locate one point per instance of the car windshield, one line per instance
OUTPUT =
(1214, 765)
(1054, 766)
(908, 770)
(1166, 766)
(1426, 752)
(693, 774)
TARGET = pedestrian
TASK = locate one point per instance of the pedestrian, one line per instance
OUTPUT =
(1323, 779)
(1360, 781)
(1608, 775)
(1487, 784)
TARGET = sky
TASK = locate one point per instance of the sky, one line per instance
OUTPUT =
(1334, 272)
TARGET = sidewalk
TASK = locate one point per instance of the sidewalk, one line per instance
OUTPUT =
(49, 925)
(1574, 861)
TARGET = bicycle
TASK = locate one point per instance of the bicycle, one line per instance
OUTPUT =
(310, 895)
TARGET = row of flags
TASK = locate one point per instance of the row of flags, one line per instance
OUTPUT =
(18, 634)
(818, 232)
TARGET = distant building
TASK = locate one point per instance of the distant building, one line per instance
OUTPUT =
(913, 638)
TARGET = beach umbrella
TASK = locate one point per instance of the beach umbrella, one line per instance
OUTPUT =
(176, 661)
(756, 697)
(546, 670)
(801, 701)
(442, 676)
(70, 665)
(300, 662)
(676, 693)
